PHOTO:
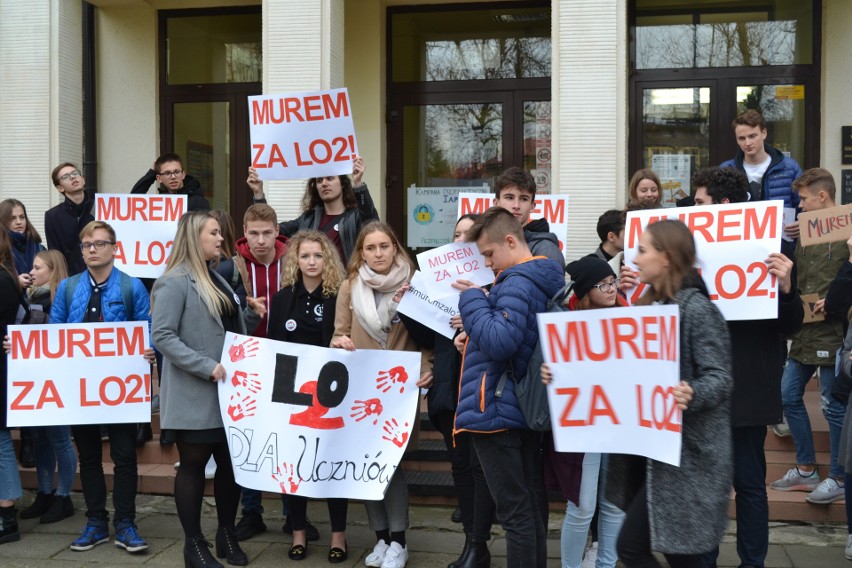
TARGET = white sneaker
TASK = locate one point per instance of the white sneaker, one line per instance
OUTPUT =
(591, 557)
(177, 465)
(781, 430)
(210, 469)
(848, 553)
(377, 557)
(396, 556)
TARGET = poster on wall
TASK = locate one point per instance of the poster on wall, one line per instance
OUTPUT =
(543, 148)
(432, 214)
(674, 171)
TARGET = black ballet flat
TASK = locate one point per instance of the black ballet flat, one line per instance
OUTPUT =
(337, 555)
(298, 552)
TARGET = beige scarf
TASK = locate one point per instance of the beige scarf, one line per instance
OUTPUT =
(376, 317)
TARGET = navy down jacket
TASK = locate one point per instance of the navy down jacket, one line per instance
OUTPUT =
(778, 180)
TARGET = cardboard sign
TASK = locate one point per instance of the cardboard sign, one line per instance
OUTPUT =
(434, 314)
(302, 135)
(78, 373)
(825, 225)
(441, 267)
(732, 241)
(432, 214)
(553, 208)
(314, 421)
(614, 373)
(809, 301)
(145, 227)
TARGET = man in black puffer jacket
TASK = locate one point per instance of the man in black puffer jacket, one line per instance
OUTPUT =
(168, 170)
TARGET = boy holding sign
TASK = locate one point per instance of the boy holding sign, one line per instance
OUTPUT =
(502, 333)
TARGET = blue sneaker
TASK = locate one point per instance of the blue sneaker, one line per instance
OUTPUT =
(93, 535)
(129, 540)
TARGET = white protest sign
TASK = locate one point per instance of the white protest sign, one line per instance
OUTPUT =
(314, 421)
(732, 241)
(145, 227)
(614, 373)
(432, 214)
(302, 135)
(434, 314)
(442, 266)
(78, 373)
(553, 208)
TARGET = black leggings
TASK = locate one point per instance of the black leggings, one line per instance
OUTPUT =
(634, 541)
(189, 485)
(337, 509)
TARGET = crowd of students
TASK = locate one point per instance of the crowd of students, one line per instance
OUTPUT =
(335, 276)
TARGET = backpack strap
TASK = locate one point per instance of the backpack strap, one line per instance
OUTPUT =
(126, 285)
(559, 297)
(70, 286)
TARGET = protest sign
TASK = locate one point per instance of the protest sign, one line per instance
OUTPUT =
(732, 241)
(553, 208)
(434, 314)
(614, 373)
(825, 225)
(145, 227)
(442, 266)
(432, 214)
(302, 135)
(314, 421)
(78, 373)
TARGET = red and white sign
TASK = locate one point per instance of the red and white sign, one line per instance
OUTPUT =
(314, 421)
(553, 208)
(302, 135)
(614, 373)
(145, 227)
(732, 242)
(441, 267)
(78, 373)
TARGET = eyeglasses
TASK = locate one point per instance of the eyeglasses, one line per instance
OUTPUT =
(171, 174)
(69, 175)
(607, 286)
(99, 245)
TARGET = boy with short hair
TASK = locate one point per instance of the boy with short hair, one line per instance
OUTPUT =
(63, 223)
(502, 334)
(168, 170)
(610, 229)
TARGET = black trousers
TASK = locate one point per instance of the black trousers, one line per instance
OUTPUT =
(461, 466)
(122, 450)
(337, 509)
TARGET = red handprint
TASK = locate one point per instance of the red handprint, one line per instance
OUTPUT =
(241, 406)
(241, 379)
(387, 379)
(393, 433)
(244, 350)
(365, 408)
(291, 485)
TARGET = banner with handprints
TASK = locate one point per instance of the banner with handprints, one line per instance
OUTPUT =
(314, 421)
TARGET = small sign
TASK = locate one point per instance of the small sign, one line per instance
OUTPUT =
(846, 145)
(789, 92)
(845, 187)
(825, 225)
(443, 266)
(810, 301)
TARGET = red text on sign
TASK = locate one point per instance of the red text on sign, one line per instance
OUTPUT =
(59, 343)
(648, 337)
(599, 407)
(23, 400)
(155, 254)
(300, 109)
(660, 409)
(113, 391)
(151, 208)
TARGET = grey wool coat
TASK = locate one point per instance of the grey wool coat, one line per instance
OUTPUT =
(844, 455)
(687, 505)
(191, 341)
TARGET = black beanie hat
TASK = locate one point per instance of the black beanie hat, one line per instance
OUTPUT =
(587, 272)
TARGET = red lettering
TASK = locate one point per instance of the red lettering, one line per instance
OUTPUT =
(104, 340)
(562, 351)
(338, 109)
(572, 393)
(725, 223)
(478, 205)
(20, 349)
(668, 338)
(291, 108)
(83, 400)
(554, 212)
(17, 404)
(314, 416)
(258, 152)
(757, 230)
(312, 104)
(49, 394)
(699, 222)
(643, 422)
(122, 391)
(604, 410)
(648, 336)
(626, 338)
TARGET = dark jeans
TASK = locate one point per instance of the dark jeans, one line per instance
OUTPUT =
(460, 462)
(634, 541)
(122, 450)
(751, 500)
(483, 503)
(509, 460)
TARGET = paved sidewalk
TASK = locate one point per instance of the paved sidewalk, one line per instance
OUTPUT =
(433, 540)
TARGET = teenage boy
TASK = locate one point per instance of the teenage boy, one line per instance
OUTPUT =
(104, 293)
(757, 347)
(168, 170)
(334, 205)
(502, 334)
(770, 173)
(610, 230)
(63, 223)
(813, 349)
(514, 191)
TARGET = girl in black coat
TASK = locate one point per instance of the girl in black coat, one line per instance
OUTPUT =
(303, 312)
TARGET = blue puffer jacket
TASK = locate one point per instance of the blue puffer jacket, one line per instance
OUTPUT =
(779, 177)
(112, 304)
(502, 331)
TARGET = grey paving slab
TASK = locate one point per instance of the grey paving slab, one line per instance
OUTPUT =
(803, 556)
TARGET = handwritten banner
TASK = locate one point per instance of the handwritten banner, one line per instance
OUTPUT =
(434, 314)
(614, 373)
(553, 208)
(442, 266)
(145, 227)
(80, 373)
(732, 241)
(826, 225)
(314, 421)
(302, 135)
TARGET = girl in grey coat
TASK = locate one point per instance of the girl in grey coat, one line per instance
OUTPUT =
(192, 308)
(681, 511)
